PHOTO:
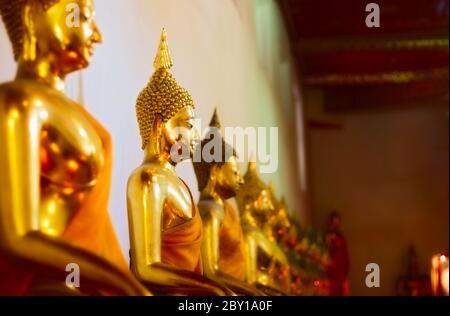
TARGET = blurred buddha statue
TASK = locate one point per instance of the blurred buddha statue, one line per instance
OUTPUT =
(164, 223)
(278, 224)
(267, 264)
(412, 282)
(223, 248)
(338, 265)
(55, 162)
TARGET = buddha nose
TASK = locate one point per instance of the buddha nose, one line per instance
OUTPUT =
(97, 36)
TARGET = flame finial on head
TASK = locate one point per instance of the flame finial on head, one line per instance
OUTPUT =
(163, 58)
(214, 137)
(215, 122)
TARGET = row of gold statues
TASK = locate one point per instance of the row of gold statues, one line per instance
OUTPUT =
(55, 168)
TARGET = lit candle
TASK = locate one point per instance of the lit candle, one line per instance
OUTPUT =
(439, 274)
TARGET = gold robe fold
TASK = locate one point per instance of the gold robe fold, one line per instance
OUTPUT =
(232, 251)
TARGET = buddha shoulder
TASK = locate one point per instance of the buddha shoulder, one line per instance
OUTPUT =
(29, 96)
(19, 90)
(151, 174)
(211, 209)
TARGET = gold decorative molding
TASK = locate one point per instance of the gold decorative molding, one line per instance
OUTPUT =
(363, 44)
(377, 78)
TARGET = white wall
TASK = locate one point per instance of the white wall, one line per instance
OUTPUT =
(232, 54)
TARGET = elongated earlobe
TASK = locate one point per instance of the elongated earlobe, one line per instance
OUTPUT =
(29, 40)
(157, 133)
(213, 176)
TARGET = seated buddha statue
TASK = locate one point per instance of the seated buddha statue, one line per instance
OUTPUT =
(223, 248)
(55, 162)
(164, 223)
(267, 264)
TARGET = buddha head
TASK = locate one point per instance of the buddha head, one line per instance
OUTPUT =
(255, 195)
(263, 205)
(63, 32)
(279, 217)
(215, 164)
(282, 215)
(281, 222)
(165, 112)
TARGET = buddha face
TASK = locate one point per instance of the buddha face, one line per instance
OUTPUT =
(282, 224)
(263, 204)
(228, 178)
(66, 34)
(282, 218)
(181, 135)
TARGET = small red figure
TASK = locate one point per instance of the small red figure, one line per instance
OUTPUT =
(338, 266)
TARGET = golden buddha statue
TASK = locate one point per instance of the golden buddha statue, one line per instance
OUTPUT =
(278, 224)
(223, 248)
(55, 162)
(164, 223)
(267, 264)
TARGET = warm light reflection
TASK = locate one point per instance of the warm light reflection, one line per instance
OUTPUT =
(43, 115)
(13, 117)
(68, 191)
(55, 148)
(83, 133)
(73, 165)
(440, 275)
(51, 207)
(45, 223)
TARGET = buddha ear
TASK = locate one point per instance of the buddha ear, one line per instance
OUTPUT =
(157, 130)
(29, 36)
(215, 169)
(157, 125)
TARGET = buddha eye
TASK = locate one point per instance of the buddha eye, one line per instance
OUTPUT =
(84, 17)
